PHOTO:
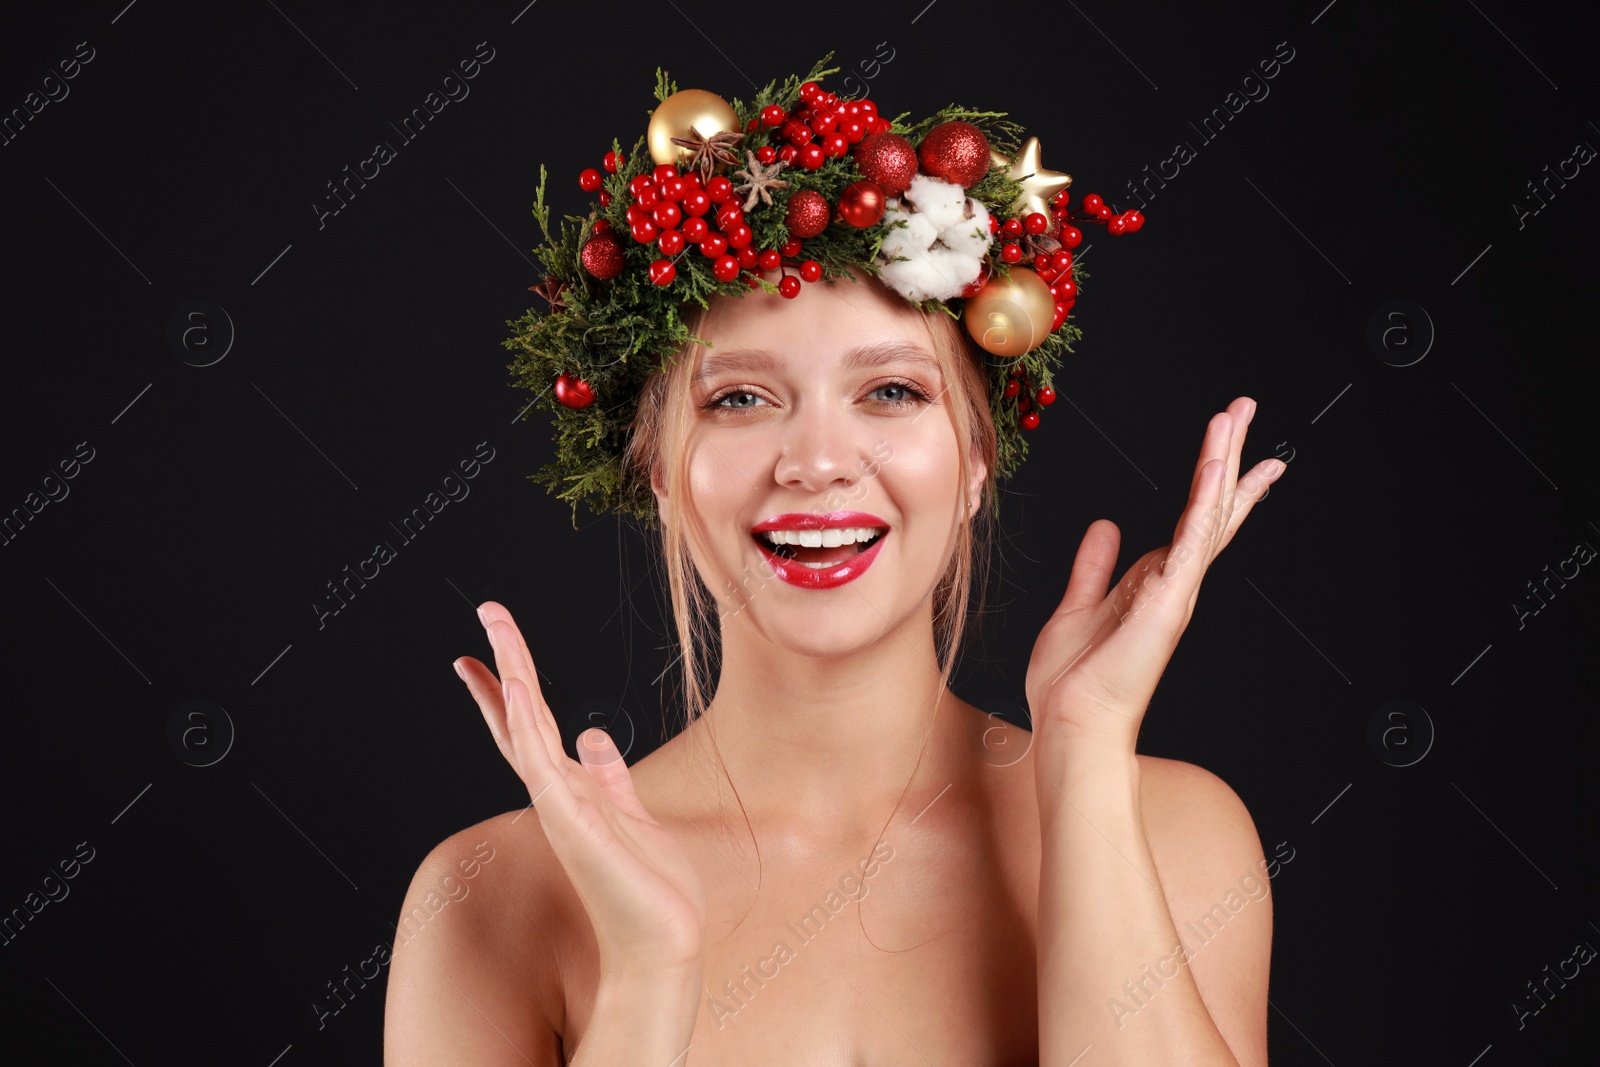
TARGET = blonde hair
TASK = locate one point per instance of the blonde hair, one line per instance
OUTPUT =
(659, 441)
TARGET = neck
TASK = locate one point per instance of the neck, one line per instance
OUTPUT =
(829, 742)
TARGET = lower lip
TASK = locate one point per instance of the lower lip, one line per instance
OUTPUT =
(799, 575)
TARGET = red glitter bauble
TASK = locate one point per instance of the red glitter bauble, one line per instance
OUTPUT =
(808, 214)
(889, 160)
(573, 392)
(956, 152)
(602, 256)
(862, 204)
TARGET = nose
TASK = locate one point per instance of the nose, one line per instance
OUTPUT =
(821, 449)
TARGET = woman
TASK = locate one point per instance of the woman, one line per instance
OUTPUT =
(838, 860)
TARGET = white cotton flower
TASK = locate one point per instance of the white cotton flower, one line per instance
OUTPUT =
(943, 246)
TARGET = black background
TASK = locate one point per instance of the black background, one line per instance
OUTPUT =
(1418, 503)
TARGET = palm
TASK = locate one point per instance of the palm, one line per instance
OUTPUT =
(644, 896)
(1097, 661)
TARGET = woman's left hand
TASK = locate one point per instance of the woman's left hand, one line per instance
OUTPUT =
(1098, 659)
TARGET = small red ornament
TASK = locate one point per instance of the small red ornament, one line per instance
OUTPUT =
(667, 215)
(808, 213)
(1035, 223)
(602, 225)
(1023, 404)
(773, 115)
(789, 286)
(835, 145)
(770, 259)
(589, 180)
(662, 271)
(791, 248)
(1092, 203)
(1013, 227)
(888, 159)
(725, 269)
(639, 184)
(670, 242)
(1012, 388)
(613, 160)
(1061, 261)
(1117, 226)
(696, 203)
(695, 230)
(1070, 236)
(956, 152)
(739, 235)
(1045, 395)
(1134, 219)
(602, 256)
(664, 171)
(747, 257)
(809, 90)
(766, 155)
(1030, 420)
(573, 392)
(788, 153)
(1011, 253)
(719, 190)
(976, 285)
(729, 216)
(862, 204)
(713, 245)
(812, 157)
(811, 270)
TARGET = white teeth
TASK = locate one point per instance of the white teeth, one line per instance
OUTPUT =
(823, 538)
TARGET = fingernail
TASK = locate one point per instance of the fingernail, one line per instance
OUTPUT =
(505, 692)
(1276, 468)
(482, 617)
(459, 672)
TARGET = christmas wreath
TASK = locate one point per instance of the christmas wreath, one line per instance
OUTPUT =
(955, 212)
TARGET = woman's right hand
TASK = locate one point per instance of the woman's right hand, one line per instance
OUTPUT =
(644, 897)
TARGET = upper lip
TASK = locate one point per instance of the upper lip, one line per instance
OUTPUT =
(833, 520)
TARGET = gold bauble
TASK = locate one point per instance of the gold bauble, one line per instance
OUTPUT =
(1038, 184)
(1011, 315)
(705, 111)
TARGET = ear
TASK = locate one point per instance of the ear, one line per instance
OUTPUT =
(979, 471)
(660, 490)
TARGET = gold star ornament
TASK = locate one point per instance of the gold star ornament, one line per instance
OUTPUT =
(1038, 184)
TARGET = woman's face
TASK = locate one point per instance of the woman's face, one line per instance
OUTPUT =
(827, 417)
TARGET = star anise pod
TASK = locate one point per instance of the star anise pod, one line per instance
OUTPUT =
(759, 181)
(551, 290)
(709, 151)
(1034, 244)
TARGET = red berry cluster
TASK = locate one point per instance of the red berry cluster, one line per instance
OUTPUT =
(823, 127)
(674, 210)
(1017, 386)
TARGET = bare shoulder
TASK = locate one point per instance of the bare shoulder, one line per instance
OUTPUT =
(474, 974)
(1213, 874)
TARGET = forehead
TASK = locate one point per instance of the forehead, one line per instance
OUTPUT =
(852, 323)
(856, 357)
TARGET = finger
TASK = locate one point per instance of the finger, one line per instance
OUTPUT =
(1186, 559)
(599, 756)
(511, 656)
(1091, 567)
(1251, 491)
(547, 788)
(485, 689)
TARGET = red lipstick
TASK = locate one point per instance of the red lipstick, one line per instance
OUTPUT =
(800, 575)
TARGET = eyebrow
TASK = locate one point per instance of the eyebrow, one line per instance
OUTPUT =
(863, 356)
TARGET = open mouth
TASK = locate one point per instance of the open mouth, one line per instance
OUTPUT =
(820, 549)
